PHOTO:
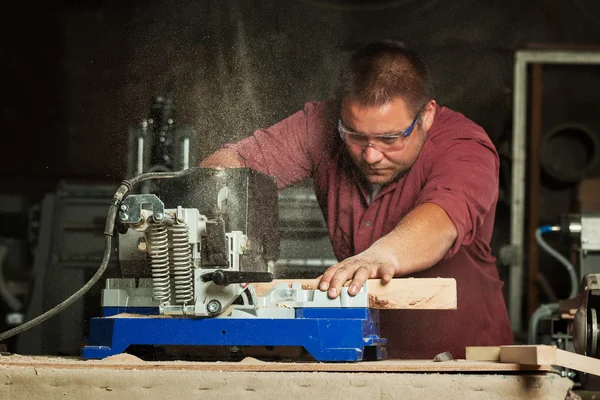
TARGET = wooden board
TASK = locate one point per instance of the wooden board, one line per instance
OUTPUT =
(126, 361)
(549, 355)
(529, 355)
(399, 293)
(482, 353)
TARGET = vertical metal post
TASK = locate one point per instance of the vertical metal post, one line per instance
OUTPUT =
(518, 190)
(185, 153)
(140, 155)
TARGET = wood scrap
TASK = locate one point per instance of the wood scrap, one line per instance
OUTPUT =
(549, 355)
(445, 356)
(482, 353)
(568, 308)
(528, 355)
(399, 293)
(577, 362)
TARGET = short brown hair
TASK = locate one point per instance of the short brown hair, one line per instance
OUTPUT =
(382, 71)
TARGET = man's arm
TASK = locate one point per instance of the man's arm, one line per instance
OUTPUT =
(286, 151)
(419, 241)
(223, 158)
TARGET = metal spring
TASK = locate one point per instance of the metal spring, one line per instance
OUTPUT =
(181, 258)
(158, 250)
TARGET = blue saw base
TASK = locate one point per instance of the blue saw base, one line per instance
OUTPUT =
(328, 334)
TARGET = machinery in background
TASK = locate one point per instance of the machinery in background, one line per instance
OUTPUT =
(572, 324)
(586, 325)
(14, 257)
(68, 249)
(585, 228)
(191, 253)
(158, 144)
(305, 247)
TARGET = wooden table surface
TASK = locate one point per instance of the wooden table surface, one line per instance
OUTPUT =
(126, 361)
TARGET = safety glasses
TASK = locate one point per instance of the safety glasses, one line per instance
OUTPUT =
(388, 142)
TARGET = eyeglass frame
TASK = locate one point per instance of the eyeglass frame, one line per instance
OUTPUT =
(403, 133)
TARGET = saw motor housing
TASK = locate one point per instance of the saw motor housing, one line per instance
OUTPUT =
(191, 260)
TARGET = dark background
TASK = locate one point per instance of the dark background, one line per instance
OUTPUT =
(77, 75)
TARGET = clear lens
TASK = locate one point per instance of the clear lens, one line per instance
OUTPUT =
(356, 139)
(382, 143)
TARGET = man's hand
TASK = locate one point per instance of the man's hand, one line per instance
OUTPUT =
(405, 250)
(366, 265)
(223, 158)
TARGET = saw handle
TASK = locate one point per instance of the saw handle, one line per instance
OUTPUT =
(224, 278)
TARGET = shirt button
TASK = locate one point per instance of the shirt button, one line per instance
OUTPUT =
(368, 223)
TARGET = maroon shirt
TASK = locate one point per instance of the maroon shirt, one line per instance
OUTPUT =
(457, 169)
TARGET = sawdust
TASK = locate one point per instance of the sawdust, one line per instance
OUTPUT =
(125, 315)
(122, 358)
(251, 360)
(17, 358)
(376, 302)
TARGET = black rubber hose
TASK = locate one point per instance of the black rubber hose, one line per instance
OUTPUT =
(108, 232)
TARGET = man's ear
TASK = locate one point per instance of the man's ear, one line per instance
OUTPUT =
(428, 114)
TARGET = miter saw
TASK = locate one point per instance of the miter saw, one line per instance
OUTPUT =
(189, 257)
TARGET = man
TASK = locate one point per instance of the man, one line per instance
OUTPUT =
(407, 188)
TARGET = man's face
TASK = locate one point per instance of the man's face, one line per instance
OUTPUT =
(384, 164)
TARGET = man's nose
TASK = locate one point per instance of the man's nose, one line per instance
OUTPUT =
(371, 155)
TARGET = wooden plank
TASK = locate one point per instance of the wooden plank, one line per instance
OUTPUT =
(482, 353)
(126, 361)
(568, 306)
(577, 362)
(549, 355)
(528, 355)
(399, 293)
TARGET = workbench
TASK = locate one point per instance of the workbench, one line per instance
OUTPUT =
(125, 376)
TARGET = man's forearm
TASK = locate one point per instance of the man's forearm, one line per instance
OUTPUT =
(419, 241)
(223, 158)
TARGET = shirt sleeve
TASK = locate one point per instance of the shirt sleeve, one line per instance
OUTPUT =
(463, 180)
(285, 150)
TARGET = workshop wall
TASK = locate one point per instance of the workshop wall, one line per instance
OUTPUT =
(81, 73)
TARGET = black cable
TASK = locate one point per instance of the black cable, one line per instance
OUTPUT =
(108, 232)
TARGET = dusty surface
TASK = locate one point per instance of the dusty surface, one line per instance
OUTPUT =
(250, 364)
(37, 383)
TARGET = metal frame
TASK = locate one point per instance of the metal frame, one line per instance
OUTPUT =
(519, 157)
